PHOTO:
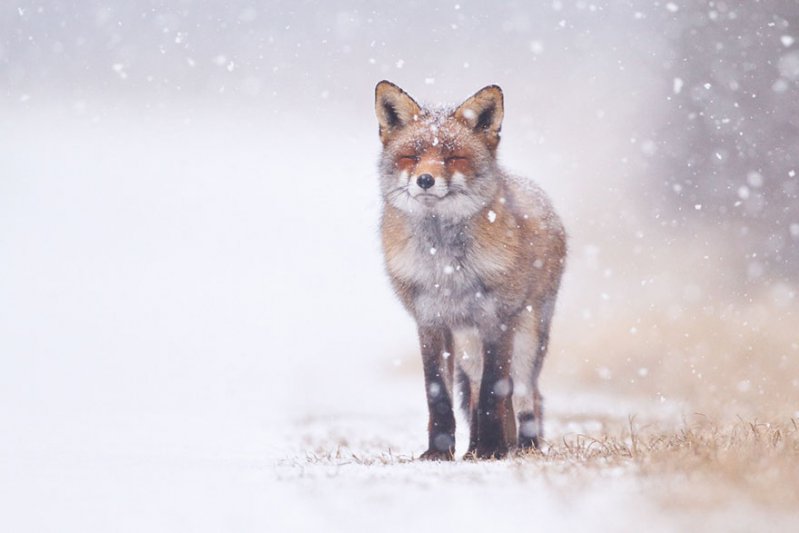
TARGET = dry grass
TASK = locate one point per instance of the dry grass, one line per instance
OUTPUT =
(343, 456)
(701, 463)
(696, 464)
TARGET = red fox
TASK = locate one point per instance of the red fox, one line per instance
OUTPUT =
(476, 256)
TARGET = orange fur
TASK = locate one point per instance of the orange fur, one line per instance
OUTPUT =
(468, 247)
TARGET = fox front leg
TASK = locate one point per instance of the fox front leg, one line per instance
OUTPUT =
(438, 381)
(495, 420)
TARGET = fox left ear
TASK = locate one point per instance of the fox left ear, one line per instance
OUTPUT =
(483, 113)
(395, 109)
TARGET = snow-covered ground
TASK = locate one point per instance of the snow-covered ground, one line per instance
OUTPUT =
(197, 335)
(196, 332)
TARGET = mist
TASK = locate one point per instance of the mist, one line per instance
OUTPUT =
(192, 292)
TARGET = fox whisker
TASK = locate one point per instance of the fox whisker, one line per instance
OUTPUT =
(396, 191)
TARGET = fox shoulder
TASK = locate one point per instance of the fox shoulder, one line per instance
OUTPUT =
(497, 242)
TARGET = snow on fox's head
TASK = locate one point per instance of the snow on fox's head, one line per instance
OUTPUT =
(438, 161)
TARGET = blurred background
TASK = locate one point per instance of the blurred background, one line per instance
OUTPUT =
(188, 211)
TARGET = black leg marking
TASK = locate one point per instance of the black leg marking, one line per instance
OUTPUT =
(437, 377)
(494, 404)
(528, 431)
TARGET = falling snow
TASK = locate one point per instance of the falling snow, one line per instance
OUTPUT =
(191, 267)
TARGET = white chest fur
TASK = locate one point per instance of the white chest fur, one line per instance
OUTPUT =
(447, 274)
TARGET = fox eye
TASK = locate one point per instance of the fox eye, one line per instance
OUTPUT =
(455, 158)
(410, 157)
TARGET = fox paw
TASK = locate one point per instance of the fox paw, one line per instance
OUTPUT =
(470, 455)
(529, 445)
(491, 452)
(437, 455)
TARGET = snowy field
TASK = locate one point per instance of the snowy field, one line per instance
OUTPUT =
(198, 336)
(196, 330)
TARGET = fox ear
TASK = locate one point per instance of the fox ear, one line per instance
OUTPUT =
(483, 113)
(394, 109)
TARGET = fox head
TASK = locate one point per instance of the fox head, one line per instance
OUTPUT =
(438, 161)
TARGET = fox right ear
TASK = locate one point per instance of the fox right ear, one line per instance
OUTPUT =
(394, 109)
(483, 113)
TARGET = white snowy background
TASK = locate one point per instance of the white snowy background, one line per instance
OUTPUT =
(193, 308)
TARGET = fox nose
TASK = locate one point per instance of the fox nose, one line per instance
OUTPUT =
(425, 181)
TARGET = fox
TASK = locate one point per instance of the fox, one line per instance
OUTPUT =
(476, 256)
